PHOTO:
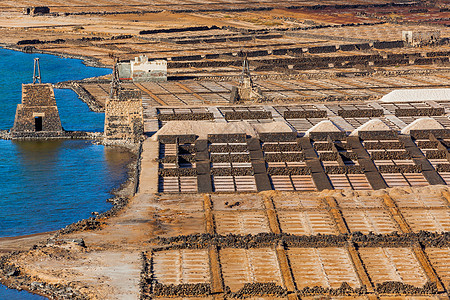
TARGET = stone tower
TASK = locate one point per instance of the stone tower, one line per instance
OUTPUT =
(124, 114)
(37, 115)
(246, 91)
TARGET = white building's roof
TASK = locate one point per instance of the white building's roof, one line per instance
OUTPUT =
(414, 95)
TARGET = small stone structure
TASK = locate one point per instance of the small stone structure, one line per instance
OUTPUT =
(141, 69)
(37, 115)
(246, 91)
(124, 119)
(421, 37)
(36, 10)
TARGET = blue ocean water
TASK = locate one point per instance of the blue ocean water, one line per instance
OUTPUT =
(47, 185)
(17, 68)
(8, 294)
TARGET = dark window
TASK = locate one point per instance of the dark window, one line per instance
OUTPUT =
(38, 123)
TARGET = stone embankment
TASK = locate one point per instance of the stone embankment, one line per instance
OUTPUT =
(83, 135)
(82, 93)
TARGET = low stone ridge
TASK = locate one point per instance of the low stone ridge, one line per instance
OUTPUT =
(232, 171)
(390, 154)
(219, 158)
(443, 167)
(436, 154)
(201, 241)
(288, 171)
(181, 290)
(301, 114)
(427, 144)
(259, 289)
(400, 288)
(360, 113)
(186, 116)
(344, 290)
(247, 115)
(425, 133)
(426, 111)
(393, 240)
(344, 169)
(378, 135)
(278, 136)
(400, 168)
(214, 148)
(329, 156)
(281, 147)
(281, 157)
(373, 145)
(177, 172)
(174, 138)
(323, 146)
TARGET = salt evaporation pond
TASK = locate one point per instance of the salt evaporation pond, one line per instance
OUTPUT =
(47, 185)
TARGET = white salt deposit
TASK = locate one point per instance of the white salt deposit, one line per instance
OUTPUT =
(425, 123)
(372, 125)
(324, 126)
(203, 128)
(414, 95)
(272, 127)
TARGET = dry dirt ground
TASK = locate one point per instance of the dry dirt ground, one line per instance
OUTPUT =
(81, 26)
(110, 265)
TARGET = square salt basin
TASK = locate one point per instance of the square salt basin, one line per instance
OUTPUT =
(237, 202)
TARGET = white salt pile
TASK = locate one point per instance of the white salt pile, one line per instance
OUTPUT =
(414, 95)
(372, 125)
(324, 126)
(425, 123)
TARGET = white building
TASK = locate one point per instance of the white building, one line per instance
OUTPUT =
(142, 69)
(421, 37)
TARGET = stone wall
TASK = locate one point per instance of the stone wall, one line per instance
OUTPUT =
(124, 116)
(37, 10)
(38, 95)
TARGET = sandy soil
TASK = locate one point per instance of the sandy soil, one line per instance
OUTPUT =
(20, 243)
(110, 265)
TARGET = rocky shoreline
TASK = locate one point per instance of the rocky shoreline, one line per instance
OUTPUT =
(10, 274)
(87, 60)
